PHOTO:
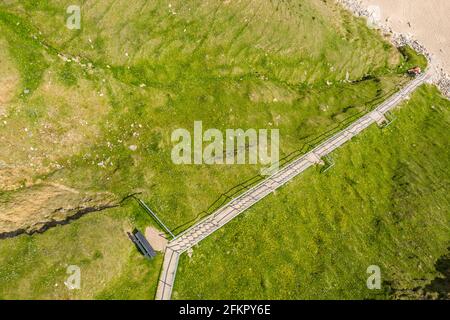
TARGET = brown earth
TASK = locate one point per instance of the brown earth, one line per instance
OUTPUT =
(39, 207)
(155, 238)
(9, 79)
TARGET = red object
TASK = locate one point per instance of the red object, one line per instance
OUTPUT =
(415, 71)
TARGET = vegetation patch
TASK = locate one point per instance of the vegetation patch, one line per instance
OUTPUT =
(35, 267)
(93, 110)
(384, 203)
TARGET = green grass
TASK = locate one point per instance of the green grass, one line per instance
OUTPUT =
(384, 203)
(411, 59)
(34, 267)
(271, 64)
(25, 49)
(290, 77)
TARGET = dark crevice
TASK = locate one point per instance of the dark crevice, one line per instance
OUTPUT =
(68, 219)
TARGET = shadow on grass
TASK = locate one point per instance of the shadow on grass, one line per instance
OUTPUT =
(441, 285)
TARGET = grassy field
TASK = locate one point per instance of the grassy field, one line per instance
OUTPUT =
(76, 100)
(384, 203)
(148, 68)
(34, 267)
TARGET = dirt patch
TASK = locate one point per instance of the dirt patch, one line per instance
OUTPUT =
(156, 238)
(8, 86)
(9, 78)
(13, 177)
(39, 207)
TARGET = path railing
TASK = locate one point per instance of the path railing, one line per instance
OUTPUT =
(222, 216)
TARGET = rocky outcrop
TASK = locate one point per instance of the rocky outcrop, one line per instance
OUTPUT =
(39, 207)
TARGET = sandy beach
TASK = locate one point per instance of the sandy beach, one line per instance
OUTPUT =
(426, 20)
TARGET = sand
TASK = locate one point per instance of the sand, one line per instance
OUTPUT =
(426, 20)
(155, 238)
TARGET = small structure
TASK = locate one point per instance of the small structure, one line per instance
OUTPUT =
(328, 163)
(154, 216)
(378, 117)
(415, 71)
(141, 242)
(314, 158)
